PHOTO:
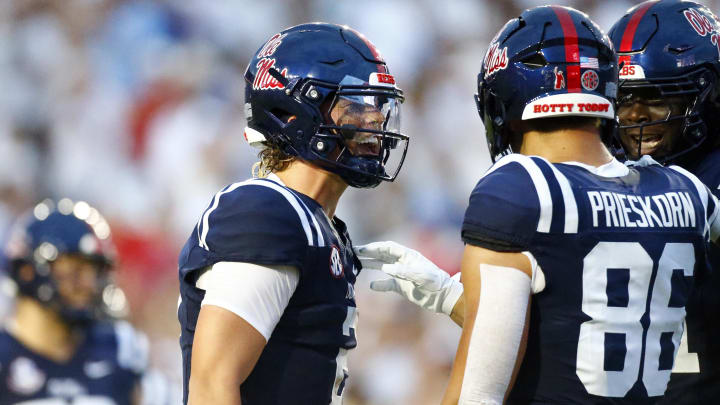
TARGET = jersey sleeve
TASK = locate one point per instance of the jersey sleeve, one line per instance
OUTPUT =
(256, 222)
(504, 208)
(258, 294)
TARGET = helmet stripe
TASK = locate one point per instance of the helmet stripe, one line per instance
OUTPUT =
(572, 52)
(629, 34)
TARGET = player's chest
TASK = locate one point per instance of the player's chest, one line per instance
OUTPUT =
(331, 267)
(85, 380)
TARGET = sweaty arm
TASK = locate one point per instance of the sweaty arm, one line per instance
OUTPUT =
(496, 298)
(243, 303)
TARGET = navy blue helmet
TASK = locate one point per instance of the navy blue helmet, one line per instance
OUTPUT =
(551, 61)
(46, 233)
(671, 49)
(296, 80)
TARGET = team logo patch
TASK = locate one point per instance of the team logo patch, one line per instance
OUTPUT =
(589, 80)
(336, 266)
(495, 59)
(263, 79)
(271, 46)
(559, 79)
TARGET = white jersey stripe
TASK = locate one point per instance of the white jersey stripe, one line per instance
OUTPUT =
(541, 187)
(318, 230)
(206, 216)
(702, 191)
(293, 200)
(321, 239)
(571, 210)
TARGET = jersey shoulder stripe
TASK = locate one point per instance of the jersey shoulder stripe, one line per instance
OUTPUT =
(316, 230)
(308, 222)
(204, 224)
(542, 188)
(571, 209)
(565, 216)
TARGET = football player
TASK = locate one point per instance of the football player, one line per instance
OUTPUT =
(61, 346)
(266, 278)
(609, 251)
(669, 107)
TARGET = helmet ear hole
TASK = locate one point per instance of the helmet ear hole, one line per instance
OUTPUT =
(282, 116)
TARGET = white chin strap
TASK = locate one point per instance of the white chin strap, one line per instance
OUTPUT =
(255, 138)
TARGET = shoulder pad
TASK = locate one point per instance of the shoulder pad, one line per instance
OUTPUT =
(518, 197)
(257, 221)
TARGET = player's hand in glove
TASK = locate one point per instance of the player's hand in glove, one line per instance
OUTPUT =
(413, 276)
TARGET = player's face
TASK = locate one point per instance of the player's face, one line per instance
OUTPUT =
(77, 280)
(645, 106)
(356, 116)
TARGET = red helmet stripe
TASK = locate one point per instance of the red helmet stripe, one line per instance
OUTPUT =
(572, 51)
(629, 34)
(373, 50)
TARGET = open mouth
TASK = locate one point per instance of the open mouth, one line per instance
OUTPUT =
(365, 144)
(648, 142)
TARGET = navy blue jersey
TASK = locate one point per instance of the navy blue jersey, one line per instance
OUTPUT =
(105, 370)
(696, 374)
(619, 255)
(260, 221)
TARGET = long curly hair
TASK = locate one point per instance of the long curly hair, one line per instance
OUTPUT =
(272, 159)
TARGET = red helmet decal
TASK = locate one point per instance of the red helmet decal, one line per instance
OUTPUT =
(271, 46)
(263, 79)
(495, 59)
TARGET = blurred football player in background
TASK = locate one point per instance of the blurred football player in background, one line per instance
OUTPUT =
(62, 345)
(669, 108)
(609, 251)
(266, 278)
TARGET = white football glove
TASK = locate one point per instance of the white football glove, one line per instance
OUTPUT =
(413, 276)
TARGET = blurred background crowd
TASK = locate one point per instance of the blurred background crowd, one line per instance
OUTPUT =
(136, 106)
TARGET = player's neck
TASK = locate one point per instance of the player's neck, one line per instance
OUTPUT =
(572, 145)
(41, 330)
(320, 185)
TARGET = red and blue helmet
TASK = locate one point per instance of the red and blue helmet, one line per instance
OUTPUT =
(51, 230)
(551, 61)
(673, 48)
(298, 76)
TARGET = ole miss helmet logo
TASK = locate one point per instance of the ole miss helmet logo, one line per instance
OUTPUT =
(336, 266)
(263, 79)
(703, 26)
(495, 59)
(271, 46)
